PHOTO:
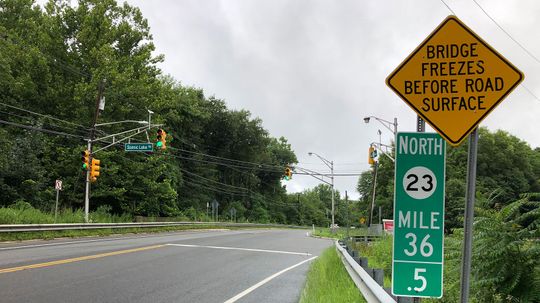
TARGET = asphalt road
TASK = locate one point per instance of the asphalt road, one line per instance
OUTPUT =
(195, 266)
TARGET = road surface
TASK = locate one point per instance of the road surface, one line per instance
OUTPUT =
(195, 266)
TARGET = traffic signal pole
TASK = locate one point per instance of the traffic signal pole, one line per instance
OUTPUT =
(92, 137)
(87, 189)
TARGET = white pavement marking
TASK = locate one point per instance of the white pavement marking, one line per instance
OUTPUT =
(252, 288)
(109, 239)
(240, 248)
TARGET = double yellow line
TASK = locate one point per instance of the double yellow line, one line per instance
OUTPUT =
(84, 258)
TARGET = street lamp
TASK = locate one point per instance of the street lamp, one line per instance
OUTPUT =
(385, 123)
(125, 121)
(393, 128)
(330, 164)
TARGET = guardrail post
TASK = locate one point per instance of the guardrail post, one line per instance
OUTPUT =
(378, 276)
(363, 262)
(405, 299)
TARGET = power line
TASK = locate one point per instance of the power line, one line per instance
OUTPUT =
(229, 159)
(40, 129)
(201, 177)
(48, 123)
(214, 189)
(448, 7)
(507, 33)
(42, 115)
(510, 36)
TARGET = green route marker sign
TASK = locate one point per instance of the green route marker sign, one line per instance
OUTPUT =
(138, 147)
(417, 262)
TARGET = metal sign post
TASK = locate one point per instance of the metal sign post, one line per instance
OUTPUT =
(469, 216)
(58, 188)
(215, 206)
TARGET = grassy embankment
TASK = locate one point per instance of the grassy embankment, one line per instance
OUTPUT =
(28, 215)
(340, 233)
(328, 281)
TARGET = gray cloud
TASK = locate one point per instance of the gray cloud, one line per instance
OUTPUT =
(313, 69)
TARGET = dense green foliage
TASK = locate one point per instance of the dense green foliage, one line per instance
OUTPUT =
(506, 254)
(506, 251)
(507, 167)
(52, 61)
(328, 281)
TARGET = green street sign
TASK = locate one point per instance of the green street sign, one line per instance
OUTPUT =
(417, 264)
(138, 147)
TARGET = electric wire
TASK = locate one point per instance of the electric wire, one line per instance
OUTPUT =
(213, 181)
(42, 115)
(510, 36)
(229, 159)
(507, 33)
(47, 123)
(448, 7)
(40, 129)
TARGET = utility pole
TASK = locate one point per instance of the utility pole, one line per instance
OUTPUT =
(348, 213)
(333, 229)
(299, 209)
(89, 147)
(373, 191)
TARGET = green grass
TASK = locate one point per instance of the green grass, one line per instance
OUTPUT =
(48, 235)
(328, 281)
(24, 213)
(341, 232)
(379, 254)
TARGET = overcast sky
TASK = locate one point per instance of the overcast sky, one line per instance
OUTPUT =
(311, 70)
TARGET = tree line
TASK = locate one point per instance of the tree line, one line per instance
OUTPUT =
(52, 61)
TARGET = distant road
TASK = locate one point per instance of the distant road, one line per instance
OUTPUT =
(195, 266)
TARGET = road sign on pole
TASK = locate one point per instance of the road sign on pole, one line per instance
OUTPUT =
(417, 263)
(138, 147)
(58, 188)
(454, 79)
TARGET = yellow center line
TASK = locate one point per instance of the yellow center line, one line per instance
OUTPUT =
(64, 261)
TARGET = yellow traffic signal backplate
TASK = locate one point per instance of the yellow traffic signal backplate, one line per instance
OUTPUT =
(454, 79)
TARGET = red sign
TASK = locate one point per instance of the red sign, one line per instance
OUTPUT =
(388, 226)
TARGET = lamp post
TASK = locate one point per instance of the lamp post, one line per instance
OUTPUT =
(391, 126)
(330, 164)
(385, 123)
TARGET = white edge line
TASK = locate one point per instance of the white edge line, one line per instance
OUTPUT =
(102, 239)
(252, 288)
(240, 248)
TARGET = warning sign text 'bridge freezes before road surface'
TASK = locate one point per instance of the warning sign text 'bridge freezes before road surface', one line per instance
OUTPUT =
(454, 79)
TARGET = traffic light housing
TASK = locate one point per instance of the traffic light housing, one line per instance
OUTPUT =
(85, 159)
(288, 173)
(94, 169)
(161, 139)
(372, 153)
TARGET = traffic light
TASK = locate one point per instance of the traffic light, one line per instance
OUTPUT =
(288, 173)
(162, 139)
(94, 170)
(372, 153)
(85, 158)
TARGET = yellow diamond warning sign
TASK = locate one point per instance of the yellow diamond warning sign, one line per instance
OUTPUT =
(454, 79)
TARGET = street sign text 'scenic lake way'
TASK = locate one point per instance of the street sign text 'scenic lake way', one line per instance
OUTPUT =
(417, 263)
(139, 147)
(454, 79)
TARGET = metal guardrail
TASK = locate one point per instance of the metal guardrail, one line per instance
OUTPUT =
(365, 238)
(79, 226)
(371, 290)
